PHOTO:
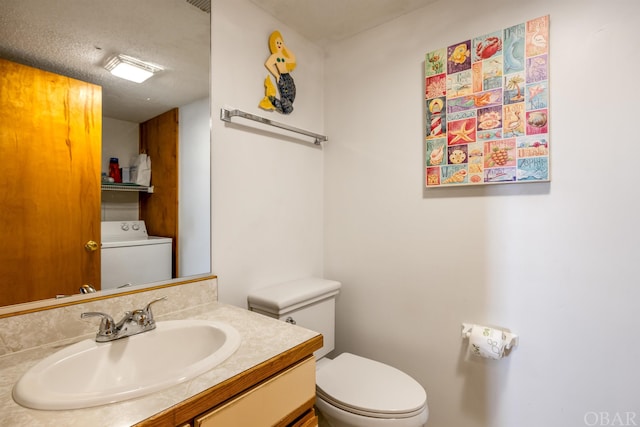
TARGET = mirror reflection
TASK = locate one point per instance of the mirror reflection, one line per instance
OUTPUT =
(142, 231)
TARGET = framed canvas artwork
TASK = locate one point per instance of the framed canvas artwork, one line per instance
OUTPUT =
(487, 108)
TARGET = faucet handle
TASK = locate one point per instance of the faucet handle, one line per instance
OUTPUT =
(107, 325)
(148, 307)
(144, 316)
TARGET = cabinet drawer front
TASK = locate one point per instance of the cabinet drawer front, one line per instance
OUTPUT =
(267, 403)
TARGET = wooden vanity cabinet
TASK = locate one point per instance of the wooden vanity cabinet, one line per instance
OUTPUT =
(279, 392)
(273, 402)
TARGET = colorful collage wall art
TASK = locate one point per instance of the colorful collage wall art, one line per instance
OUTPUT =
(487, 108)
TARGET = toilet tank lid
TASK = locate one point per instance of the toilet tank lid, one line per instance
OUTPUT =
(282, 297)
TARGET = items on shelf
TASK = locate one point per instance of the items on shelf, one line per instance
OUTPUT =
(114, 170)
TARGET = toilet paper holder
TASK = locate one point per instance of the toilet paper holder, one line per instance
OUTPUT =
(511, 340)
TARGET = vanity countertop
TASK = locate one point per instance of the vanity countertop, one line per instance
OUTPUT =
(265, 341)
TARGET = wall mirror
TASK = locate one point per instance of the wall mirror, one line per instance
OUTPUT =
(75, 38)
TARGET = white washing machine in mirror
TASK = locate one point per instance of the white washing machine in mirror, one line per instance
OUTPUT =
(131, 257)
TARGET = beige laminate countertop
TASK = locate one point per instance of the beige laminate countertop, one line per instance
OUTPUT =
(263, 340)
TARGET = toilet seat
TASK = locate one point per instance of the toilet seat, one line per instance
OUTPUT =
(369, 388)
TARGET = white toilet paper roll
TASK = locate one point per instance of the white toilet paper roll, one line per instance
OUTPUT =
(487, 342)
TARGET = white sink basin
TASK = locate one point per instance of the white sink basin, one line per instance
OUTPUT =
(91, 374)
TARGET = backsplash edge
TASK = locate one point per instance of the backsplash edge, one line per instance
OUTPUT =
(25, 331)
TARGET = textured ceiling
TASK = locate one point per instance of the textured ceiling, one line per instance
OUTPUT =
(75, 37)
(327, 21)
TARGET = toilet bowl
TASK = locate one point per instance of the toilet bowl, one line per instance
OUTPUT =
(351, 391)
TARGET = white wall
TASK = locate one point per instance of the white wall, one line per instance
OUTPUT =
(120, 139)
(266, 183)
(554, 262)
(195, 188)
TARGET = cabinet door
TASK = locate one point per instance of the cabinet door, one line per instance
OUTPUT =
(269, 402)
(50, 143)
(159, 138)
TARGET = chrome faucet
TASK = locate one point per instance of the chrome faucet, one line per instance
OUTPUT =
(133, 322)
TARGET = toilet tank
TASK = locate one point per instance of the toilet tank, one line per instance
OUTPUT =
(309, 303)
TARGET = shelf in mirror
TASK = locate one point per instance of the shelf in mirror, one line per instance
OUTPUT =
(126, 187)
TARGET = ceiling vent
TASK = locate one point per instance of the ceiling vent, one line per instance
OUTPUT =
(204, 5)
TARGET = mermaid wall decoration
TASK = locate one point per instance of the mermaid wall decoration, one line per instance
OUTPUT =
(280, 64)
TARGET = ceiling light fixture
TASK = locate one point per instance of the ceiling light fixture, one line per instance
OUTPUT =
(127, 67)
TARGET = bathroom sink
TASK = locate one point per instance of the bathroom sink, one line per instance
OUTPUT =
(90, 374)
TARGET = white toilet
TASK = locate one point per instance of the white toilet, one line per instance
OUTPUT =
(352, 391)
